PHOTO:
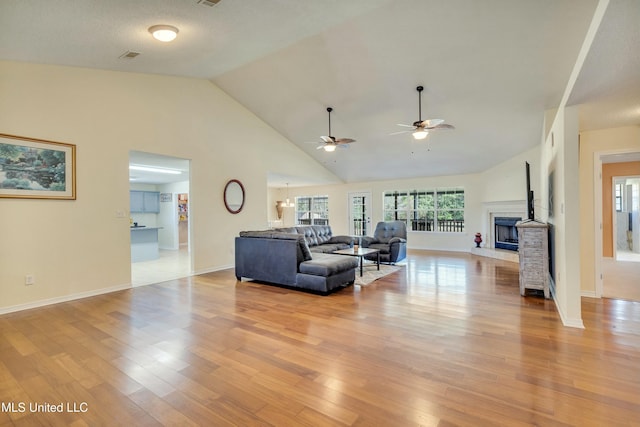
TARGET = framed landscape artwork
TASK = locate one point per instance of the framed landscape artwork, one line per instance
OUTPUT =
(37, 169)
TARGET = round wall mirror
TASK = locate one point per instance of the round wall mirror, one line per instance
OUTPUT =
(234, 196)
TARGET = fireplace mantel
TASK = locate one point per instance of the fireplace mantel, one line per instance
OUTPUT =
(504, 208)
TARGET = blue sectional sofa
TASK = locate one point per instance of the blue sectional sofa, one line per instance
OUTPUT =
(283, 258)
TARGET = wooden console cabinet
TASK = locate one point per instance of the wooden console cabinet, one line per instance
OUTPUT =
(533, 250)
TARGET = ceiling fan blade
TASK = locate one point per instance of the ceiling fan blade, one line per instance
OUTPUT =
(402, 131)
(406, 126)
(327, 139)
(345, 141)
(443, 126)
(321, 146)
(431, 123)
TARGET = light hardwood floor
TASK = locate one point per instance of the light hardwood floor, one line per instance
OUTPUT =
(445, 341)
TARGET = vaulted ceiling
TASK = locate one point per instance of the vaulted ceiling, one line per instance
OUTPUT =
(490, 68)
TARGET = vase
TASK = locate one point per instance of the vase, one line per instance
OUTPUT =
(478, 239)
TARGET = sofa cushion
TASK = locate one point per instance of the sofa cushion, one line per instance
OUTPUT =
(343, 240)
(269, 234)
(382, 247)
(328, 265)
(322, 233)
(309, 235)
(385, 231)
(327, 248)
(291, 230)
(306, 253)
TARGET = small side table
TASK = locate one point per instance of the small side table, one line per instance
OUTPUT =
(360, 253)
(533, 250)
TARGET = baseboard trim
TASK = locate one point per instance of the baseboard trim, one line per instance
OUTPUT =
(213, 269)
(65, 298)
(589, 294)
(571, 323)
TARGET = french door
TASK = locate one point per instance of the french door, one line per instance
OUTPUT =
(360, 214)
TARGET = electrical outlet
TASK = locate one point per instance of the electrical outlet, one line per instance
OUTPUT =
(29, 279)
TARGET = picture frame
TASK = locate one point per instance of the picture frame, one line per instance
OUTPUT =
(33, 168)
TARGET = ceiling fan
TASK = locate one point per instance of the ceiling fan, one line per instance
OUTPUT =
(421, 128)
(329, 143)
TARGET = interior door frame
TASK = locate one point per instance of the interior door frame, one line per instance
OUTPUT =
(614, 216)
(350, 196)
(597, 214)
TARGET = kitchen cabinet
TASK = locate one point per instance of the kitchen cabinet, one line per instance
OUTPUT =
(144, 201)
(144, 243)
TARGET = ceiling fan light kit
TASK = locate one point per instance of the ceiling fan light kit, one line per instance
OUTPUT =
(420, 134)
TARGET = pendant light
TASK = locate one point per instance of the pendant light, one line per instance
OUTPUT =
(288, 203)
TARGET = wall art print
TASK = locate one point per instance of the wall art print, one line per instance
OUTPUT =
(36, 168)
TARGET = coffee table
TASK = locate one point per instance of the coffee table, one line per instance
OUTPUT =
(360, 253)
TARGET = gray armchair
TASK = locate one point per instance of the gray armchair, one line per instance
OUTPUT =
(390, 238)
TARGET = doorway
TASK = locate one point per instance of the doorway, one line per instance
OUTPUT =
(360, 214)
(626, 233)
(160, 244)
(619, 252)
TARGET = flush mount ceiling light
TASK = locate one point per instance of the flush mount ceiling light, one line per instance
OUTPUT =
(164, 33)
(156, 170)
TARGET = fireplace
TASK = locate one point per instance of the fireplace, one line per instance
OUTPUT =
(506, 233)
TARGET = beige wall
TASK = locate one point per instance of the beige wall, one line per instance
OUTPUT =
(81, 247)
(592, 145)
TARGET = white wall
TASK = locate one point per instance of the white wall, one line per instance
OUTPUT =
(504, 182)
(560, 180)
(81, 247)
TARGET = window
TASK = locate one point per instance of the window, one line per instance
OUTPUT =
(426, 210)
(312, 210)
(619, 197)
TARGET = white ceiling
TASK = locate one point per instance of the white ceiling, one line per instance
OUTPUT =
(489, 67)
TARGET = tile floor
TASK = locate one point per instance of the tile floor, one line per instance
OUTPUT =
(621, 277)
(171, 265)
